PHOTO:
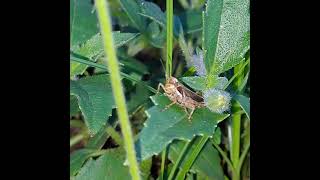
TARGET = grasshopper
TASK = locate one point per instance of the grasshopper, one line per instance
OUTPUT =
(181, 95)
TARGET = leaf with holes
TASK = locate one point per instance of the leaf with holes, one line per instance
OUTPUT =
(163, 127)
(95, 100)
(225, 34)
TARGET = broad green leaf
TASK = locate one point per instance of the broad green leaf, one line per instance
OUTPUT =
(99, 139)
(163, 127)
(156, 36)
(95, 100)
(137, 97)
(94, 47)
(153, 11)
(225, 34)
(77, 158)
(177, 27)
(132, 9)
(195, 82)
(74, 108)
(244, 103)
(207, 163)
(191, 21)
(83, 21)
(108, 166)
(200, 82)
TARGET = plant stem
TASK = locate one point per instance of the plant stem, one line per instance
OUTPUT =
(112, 63)
(163, 163)
(99, 153)
(169, 6)
(193, 156)
(75, 139)
(240, 70)
(100, 66)
(115, 135)
(224, 156)
(242, 157)
(236, 122)
(172, 173)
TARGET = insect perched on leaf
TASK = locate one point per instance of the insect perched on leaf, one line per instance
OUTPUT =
(181, 95)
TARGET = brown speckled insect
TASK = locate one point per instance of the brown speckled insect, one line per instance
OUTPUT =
(181, 95)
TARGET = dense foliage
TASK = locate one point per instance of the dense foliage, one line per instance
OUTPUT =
(210, 56)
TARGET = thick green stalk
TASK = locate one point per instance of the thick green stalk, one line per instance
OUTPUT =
(113, 66)
(169, 5)
(236, 123)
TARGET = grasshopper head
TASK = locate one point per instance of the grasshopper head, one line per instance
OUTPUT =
(173, 80)
(171, 85)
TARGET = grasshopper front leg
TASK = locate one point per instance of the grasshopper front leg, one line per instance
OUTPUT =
(174, 102)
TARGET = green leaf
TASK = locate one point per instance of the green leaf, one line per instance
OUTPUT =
(132, 64)
(137, 97)
(191, 21)
(200, 82)
(95, 100)
(207, 163)
(74, 108)
(195, 82)
(163, 127)
(108, 166)
(217, 136)
(153, 11)
(132, 9)
(137, 45)
(83, 21)
(77, 159)
(156, 36)
(226, 34)
(94, 47)
(99, 139)
(145, 167)
(244, 103)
